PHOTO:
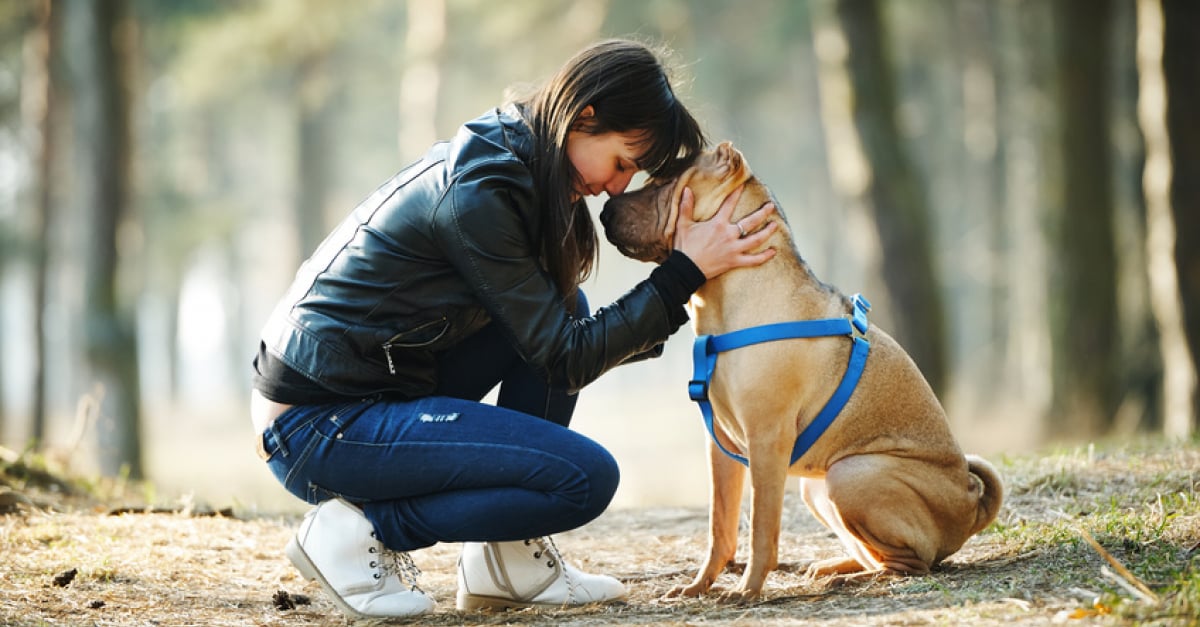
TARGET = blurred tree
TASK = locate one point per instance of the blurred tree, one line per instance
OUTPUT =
(15, 20)
(883, 180)
(1138, 363)
(1168, 46)
(41, 76)
(98, 36)
(1084, 314)
(1181, 39)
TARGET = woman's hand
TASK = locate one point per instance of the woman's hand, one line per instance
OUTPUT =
(719, 245)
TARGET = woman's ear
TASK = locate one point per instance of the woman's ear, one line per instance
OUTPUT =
(588, 111)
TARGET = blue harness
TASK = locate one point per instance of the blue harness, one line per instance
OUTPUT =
(706, 348)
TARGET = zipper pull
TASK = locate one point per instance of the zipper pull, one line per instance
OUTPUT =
(387, 351)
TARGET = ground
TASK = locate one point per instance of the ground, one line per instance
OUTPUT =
(69, 557)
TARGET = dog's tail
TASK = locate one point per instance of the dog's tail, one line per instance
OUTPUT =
(985, 480)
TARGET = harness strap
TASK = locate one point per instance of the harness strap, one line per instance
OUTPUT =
(707, 347)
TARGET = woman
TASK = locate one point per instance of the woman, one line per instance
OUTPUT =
(460, 273)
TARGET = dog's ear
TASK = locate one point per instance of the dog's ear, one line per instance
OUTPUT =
(673, 211)
(730, 162)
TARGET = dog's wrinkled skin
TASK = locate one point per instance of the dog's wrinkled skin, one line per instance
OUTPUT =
(887, 477)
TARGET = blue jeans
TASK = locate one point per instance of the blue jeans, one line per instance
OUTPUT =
(448, 468)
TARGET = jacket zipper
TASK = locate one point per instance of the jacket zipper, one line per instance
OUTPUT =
(387, 351)
(387, 347)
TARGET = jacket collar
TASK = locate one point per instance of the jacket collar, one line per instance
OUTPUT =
(517, 132)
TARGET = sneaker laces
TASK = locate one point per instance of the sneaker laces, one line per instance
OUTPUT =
(400, 564)
(546, 547)
(397, 563)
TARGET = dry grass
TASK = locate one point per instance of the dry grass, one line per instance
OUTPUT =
(1032, 566)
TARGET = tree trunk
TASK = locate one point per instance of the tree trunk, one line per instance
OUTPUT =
(891, 191)
(1083, 313)
(1170, 30)
(39, 101)
(97, 38)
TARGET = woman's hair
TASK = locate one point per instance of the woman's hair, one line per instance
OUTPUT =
(629, 90)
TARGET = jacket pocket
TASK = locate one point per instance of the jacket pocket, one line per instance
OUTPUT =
(420, 336)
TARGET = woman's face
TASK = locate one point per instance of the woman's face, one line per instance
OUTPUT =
(604, 162)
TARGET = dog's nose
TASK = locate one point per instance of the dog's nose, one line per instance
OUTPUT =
(605, 215)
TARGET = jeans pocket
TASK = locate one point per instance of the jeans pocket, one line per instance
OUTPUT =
(297, 434)
(312, 441)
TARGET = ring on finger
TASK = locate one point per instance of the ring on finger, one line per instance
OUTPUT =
(741, 231)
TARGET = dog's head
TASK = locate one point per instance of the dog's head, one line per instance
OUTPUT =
(641, 224)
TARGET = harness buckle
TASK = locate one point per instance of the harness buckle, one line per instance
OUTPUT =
(698, 390)
(858, 319)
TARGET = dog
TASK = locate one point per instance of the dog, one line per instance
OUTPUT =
(887, 476)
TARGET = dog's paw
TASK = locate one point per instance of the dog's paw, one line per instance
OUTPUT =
(691, 590)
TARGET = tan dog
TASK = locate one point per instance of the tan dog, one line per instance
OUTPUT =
(887, 476)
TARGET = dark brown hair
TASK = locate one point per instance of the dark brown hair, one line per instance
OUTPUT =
(629, 89)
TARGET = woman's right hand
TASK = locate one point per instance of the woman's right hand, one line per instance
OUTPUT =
(718, 245)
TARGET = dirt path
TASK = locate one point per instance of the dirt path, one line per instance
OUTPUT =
(1028, 569)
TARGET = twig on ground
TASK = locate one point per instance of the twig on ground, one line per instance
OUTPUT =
(1130, 583)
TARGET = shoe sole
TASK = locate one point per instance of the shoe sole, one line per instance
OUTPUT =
(309, 571)
(475, 602)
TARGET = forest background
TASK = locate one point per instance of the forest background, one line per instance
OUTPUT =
(1014, 184)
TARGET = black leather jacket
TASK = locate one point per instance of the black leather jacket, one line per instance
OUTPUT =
(440, 250)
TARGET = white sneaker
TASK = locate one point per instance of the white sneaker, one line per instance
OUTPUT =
(336, 546)
(526, 573)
